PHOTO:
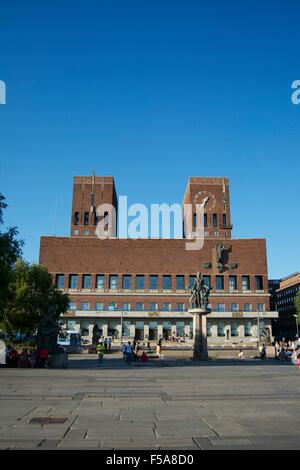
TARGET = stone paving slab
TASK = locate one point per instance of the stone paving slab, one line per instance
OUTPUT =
(174, 405)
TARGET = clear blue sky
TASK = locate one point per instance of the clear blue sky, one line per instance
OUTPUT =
(151, 92)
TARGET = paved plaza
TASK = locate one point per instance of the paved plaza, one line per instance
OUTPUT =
(171, 405)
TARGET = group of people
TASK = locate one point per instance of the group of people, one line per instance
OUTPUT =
(27, 357)
(286, 350)
(133, 352)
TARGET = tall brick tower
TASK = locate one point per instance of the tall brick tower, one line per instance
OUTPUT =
(88, 193)
(214, 193)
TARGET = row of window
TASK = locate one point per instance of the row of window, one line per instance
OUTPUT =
(230, 328)
(215, 234)
(165, 307)
(234, 330)
(89, 219)
(213, 220)
(140, 284)
(288, 292)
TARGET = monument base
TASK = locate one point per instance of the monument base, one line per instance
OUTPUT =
(58, 361)
(200, 333)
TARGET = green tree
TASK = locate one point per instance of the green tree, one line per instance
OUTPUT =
(297, 303)
(10, 251)
(31, 293)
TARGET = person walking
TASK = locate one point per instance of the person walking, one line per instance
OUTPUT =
(109, 341)
(100, 351)
(128, 354)
(123, 350)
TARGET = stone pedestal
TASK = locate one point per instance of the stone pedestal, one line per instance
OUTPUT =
(200, 334)
(59, 361)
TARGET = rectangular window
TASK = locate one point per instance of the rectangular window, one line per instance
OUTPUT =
(86, 281)
(247, 307)
(221, 328)
(259, 284)
(179, 282)
(248, 328)
(209, 329)
(220, 307)
(139, 307)
(180, 307)
(60, 281)
(153, 282)
(99, 306)
(86, 218)
(76, 218)
(192, 281)
(234, 307)
(85, 306)
(167, 307)
(205, 220)
(112, 306)
(207, 281)
(234, 328)
(100, 281)
(140, 282)
(180, 328)
(219, 282)
(84, 328)
(153, 307)
(113, 281)
(224, 220)
(126, 307)
(126, 282)
(245, 283)
(73, 281)
(166, 284)
(72, 306)
(215, 220)
(260, 307)
(85, 232)
(96, 219)
(232, 283)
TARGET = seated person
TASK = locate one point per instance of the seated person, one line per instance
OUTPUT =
(143, 357)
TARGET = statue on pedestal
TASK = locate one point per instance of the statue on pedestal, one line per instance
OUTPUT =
(48, 330)
(199, 293)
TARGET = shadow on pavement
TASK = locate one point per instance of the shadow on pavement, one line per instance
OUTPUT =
(86, 363)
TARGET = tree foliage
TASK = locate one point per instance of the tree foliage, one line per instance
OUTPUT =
(26, 291)
(31, 293)
(10, 251)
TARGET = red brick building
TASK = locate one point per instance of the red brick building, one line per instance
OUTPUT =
(139, 287)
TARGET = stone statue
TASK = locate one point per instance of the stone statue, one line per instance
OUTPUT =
(199, 293)
(266, 336)
(220, 257)
(48, 330)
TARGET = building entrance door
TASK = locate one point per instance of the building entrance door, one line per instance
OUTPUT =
(153, 331)
(139, 330)
(167, 330)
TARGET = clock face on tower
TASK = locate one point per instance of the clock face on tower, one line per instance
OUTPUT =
(206, 199)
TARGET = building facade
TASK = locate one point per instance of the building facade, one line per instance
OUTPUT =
(285, 297)
(139, 288)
